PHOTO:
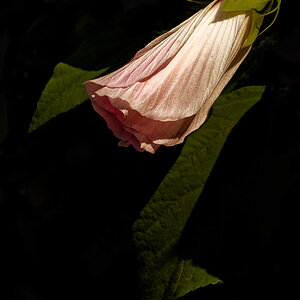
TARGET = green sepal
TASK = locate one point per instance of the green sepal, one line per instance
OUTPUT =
(257, 20)
(233, 5)
(259, 9)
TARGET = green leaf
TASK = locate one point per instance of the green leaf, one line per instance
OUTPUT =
(63, 92)
(108, 48)
(164, 273)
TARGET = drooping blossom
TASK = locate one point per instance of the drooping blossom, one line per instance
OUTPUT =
(166, 91)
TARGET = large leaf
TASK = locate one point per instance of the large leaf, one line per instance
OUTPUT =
(63, 92)
(164, 274)
(105, 49)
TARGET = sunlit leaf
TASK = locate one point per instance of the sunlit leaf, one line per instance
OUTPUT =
(164, 274)
(103, 50)
(63, 92)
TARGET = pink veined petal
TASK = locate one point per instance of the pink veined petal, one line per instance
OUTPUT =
(154, 132)
(194, 122)
(114, 118)
(155, 54)
(165, 92)
(149, 133)
(184, 82)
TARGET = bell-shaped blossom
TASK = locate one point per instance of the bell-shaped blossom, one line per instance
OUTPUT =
(166, 91)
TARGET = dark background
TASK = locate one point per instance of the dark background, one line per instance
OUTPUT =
(69, 195)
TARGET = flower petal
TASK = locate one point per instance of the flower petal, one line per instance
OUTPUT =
(114, 117)
(166, 91)
(154, 55)
(180, 81)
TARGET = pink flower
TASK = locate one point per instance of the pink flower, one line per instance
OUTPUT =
(166, 91)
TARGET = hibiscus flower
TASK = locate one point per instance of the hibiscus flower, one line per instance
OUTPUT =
(166, 91)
